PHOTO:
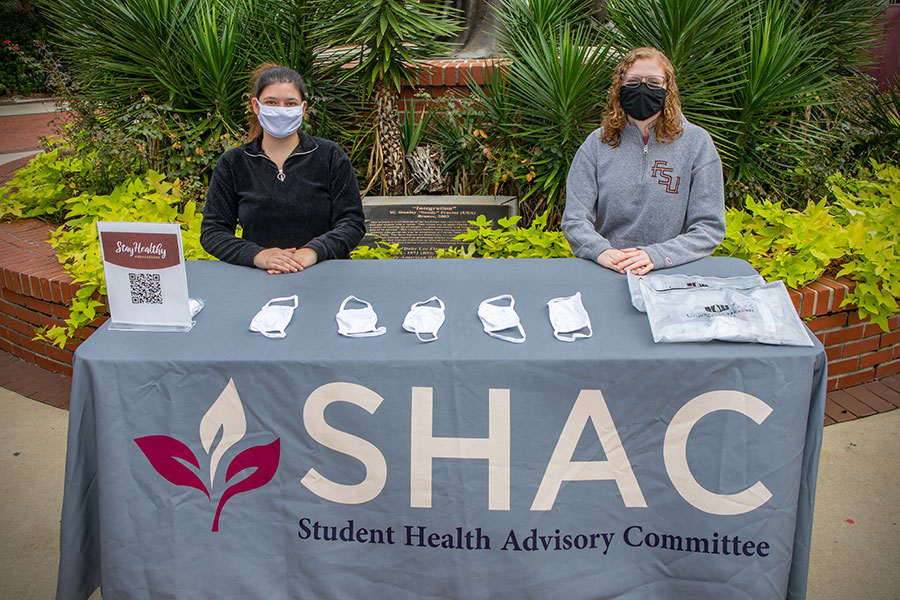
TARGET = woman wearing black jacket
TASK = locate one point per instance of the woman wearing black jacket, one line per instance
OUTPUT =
(295, 196)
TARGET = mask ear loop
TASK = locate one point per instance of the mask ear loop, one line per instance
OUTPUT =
(293, 298)
(421, 339)
(512, 301)
(276, 335)
(348, 299)
(506, 338)
(575, 335)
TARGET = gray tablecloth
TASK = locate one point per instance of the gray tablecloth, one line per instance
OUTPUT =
(222, 464)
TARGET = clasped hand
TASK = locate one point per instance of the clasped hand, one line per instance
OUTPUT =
(630, 259)
(285, 260)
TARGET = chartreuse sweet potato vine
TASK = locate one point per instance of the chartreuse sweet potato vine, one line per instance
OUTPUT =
(149, 198)
(853, 233)
(509, 241)
(378, 250)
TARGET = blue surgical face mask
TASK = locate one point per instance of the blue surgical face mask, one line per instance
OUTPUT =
(280, 121)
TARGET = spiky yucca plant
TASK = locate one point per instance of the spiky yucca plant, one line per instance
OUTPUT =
(754, 73)
(386, 41)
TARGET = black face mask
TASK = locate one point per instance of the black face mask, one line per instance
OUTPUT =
(642, 102)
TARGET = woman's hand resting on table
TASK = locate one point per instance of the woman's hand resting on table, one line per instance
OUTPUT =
(285, 260)
(306, 256)
(630, 259)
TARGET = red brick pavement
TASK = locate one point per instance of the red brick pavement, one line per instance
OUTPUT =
(33, 382)
(19, 133)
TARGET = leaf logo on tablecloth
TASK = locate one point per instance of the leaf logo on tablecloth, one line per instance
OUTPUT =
(171, 458)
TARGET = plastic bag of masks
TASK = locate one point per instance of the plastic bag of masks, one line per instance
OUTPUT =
(761, 314)
(671, 282)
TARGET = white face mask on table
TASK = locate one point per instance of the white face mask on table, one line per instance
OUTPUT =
(425, 320)
(568, 316)
(499, 318)
(272, 319)
(358, 322)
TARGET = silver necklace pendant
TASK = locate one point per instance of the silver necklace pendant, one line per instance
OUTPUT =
(280, 176)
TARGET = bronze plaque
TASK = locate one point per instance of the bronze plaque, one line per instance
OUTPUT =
(424, 224)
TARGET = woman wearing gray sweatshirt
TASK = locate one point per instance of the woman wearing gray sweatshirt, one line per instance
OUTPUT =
(645, 190)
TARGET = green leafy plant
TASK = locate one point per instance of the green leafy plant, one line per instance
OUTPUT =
(869, 212)
(455, 122)
(853, 235)
(194, 56)
(412, 129)
(40, 188)
(760, 75)
(99, 152)
(150, 198)
(386, 41)
(376, 251)
(186, 53)
(149, 136)
(782, 242)
(877, 115)
(509, 241)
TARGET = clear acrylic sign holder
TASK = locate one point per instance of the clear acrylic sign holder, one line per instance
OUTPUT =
(146, 284)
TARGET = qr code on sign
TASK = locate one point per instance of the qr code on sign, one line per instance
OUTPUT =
(145, 288)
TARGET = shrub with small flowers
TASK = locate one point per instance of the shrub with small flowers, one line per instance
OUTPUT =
(20, 26)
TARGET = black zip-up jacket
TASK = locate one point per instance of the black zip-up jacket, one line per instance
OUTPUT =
(312, 202)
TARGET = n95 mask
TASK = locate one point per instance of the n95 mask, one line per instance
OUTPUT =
(500, 318)
(272, 319)
(425, 320)
(358, 322)
(567, 315)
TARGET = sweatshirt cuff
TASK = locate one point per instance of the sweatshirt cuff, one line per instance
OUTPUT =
(248, 253)
(319, 248)
(658, 258)
(594, 249)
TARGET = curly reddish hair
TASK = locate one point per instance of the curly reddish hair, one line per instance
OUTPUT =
(667, 127)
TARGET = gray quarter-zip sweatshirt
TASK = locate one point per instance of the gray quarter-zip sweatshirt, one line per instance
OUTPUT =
(664, 198)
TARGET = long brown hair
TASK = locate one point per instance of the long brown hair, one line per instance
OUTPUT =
(667, 126)
(267, 74)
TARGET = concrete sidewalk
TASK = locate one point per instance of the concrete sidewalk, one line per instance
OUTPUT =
(22, 124)
(855, 546)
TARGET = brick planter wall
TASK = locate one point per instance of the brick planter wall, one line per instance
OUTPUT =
(442, 78)
(34, 289)
(857, 351)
